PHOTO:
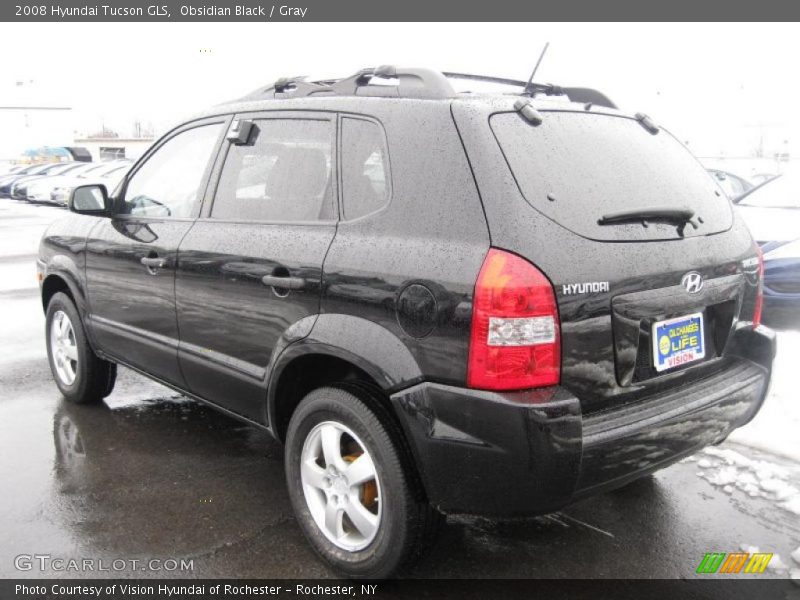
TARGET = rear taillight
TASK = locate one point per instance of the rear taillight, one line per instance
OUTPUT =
(515, 340)
(759, 305)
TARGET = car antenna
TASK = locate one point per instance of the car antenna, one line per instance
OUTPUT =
(528, 88)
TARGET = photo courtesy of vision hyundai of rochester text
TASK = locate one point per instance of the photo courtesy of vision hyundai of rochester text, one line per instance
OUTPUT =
(440, 302)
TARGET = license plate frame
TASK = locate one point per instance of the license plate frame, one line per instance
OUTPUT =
(672, 341)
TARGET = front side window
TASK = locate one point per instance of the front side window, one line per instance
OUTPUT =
(365, 186)
(168, 183)
(282, 174)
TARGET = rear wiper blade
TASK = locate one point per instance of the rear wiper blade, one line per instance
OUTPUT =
(679, 215)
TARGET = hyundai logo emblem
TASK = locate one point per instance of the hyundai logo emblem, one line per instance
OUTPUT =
(692, 282)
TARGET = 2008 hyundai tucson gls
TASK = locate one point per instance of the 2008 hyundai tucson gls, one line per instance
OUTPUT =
(440, 302)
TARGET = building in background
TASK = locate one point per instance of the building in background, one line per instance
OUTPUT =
(32, 116)
(110, 148)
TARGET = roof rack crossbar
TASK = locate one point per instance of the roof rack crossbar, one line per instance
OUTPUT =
(411, 82)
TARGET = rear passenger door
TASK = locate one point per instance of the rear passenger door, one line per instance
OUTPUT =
(251, 266)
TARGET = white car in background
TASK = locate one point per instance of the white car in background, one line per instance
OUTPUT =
(772, 210)
(39, 188)
(109, 174)
(22, 185)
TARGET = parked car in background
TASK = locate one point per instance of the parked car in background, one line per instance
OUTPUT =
(20, 186)
(772, 212)
(760, 178)
(733, 185)
(41, 189)
(7, 188)
(10, 168)
(38, 189)
(108, 174)
(8, 180)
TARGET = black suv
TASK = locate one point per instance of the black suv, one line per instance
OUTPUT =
(440, 302)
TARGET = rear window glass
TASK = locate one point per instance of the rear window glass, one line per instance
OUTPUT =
(576, 168)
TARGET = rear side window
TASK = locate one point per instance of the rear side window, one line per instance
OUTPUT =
(283, 174)
(576, 168)
(365, 178)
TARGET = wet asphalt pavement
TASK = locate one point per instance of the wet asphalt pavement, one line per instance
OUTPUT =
(151, 474)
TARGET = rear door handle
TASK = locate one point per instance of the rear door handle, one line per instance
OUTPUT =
(153, 262)
(285, 283)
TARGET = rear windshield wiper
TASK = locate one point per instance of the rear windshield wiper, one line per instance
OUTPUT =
(681, 216)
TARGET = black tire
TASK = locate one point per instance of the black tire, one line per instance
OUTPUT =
(407, 524)
(94, 377)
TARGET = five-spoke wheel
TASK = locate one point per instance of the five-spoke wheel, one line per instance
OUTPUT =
(352, 483)
(63, 347)
(341, 485)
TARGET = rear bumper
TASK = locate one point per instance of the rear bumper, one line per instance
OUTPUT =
(531, 452)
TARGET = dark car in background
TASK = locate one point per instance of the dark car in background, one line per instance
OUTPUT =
(20, 186)
(440, 302)
(772, 212)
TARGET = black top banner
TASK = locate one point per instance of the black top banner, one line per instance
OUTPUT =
(406, 10)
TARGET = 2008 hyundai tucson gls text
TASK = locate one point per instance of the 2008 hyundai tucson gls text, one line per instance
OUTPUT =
(439, 302)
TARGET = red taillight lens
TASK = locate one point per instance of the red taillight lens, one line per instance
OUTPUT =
(759, 290)
(515, 340)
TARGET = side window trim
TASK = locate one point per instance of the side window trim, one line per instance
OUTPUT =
(339, 167)
(279, 114)
(205, 180)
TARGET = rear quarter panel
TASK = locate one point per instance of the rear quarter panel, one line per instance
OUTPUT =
(410, 268)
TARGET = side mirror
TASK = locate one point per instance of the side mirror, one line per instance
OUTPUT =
(90, 200)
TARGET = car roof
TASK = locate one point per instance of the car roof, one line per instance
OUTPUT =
(358, 93)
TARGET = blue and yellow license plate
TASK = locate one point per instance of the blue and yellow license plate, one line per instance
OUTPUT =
(678, 341)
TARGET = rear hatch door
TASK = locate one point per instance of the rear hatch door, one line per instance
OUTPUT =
(645, 302)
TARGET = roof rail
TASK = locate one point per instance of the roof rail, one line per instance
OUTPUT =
(581, 95)
(412, 83)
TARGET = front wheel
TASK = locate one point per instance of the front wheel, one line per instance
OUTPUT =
(79, 373)
(352, 487)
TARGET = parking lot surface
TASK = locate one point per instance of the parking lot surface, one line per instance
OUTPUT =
(153, 475)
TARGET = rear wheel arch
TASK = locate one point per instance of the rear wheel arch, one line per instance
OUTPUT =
(306, 371)
(338, 349)
(317, 370)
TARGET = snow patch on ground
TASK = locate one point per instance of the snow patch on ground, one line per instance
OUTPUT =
(775, 427)
(731, 470)
(794, 575)
(777, 565)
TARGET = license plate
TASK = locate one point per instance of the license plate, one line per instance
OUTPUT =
(678, 341)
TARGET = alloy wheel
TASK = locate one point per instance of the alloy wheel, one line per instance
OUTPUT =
(63, 348)
(341, 486)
